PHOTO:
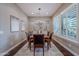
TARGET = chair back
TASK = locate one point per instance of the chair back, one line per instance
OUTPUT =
(26, 34)
(48, 33)
(39, 39)
(51, 35)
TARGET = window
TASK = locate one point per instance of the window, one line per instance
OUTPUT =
(69, 21)
(56, 24)
(14, 24)
(22, 26)
(66, 22)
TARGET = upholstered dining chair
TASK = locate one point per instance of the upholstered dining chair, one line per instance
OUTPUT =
(26, 34)
(48, 40)
(29, 39)
(50, 37)
(38, 42)
(48, 33)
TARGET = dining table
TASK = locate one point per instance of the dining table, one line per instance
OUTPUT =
(45, 37)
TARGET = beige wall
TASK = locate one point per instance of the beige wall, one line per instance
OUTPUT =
(9, 39)
(71, 45)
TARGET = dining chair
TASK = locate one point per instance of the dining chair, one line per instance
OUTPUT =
(47, 40)
(50, 37)
(30, 40)
(38, 42)
(26, 34)
(48, 33)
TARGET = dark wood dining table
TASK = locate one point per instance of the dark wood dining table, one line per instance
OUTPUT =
(45, 37)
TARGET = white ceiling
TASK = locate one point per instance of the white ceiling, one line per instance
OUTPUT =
(31, 9)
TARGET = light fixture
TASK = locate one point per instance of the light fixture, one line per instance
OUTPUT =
(32, 13)
(39, 10)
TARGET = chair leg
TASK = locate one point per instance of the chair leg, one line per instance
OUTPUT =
(30, 45)
(34, 51)
(48, 46)
(43, 51)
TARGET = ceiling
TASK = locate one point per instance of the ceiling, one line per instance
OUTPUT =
(39, 9)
